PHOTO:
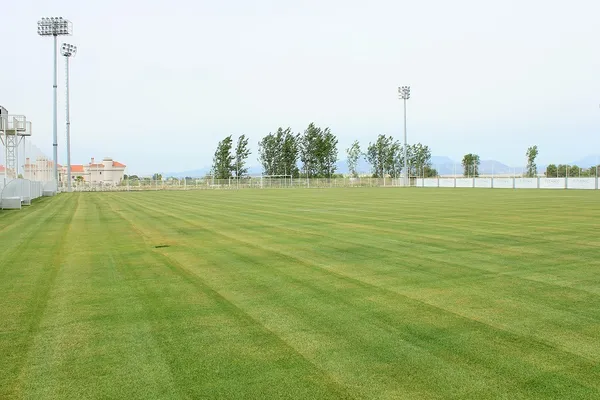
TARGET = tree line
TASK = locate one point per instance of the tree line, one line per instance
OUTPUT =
(229, 162)
(314, 153)
(386, 157)
(315, 148)
(571, 171)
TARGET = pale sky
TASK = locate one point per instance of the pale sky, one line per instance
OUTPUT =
(156, 84)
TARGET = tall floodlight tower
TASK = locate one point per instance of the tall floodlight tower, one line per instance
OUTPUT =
(404, 93)
(68, 51)
(55, 26)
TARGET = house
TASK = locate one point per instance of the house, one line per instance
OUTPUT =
(41, 170)
(10, 173)
(108, 172)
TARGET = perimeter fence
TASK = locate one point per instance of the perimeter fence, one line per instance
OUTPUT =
(233, 184)
(345, 182)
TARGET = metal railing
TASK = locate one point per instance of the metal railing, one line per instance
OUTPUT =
(19, 192)
(234, 184)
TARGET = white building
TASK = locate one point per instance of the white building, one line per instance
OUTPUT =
(108, 172)
(10, 173)
(40, 171)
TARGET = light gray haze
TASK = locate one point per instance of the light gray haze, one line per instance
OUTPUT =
(156, 84)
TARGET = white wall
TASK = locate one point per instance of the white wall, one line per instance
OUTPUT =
(427, 182)
(464, 182)
(483, 182)
(503, 183)
(447, 182)
(431, 182)
(519, 183)
(526, 183)
(552, 183)
(581, 183)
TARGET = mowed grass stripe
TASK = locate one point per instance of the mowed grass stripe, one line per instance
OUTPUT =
(292, 294)
(523, 298)
(94, 337)
(358, 383)
(501, 249)
(28, 270)
(574, 321)
(171, 217)
(508, 205)
(407, 226)
(220, 351)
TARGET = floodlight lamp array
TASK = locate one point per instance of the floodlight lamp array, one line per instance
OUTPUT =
(54, 26)
(404, 92)
(68, 50)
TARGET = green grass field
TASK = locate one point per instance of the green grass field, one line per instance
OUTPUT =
(302, 294)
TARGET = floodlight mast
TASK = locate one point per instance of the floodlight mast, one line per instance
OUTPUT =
(404, 93)
(68, 51)
(55, 26)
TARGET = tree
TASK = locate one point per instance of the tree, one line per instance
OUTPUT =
(470, 163)
(278, 153)
(551, 171)
(267, 154)
(429, 172)
(241, 155)
(385, 156)
(353, 152)
(157, 177)
(397, 151)
(79, 178)
(562, 170)
(308, 150)
(377, 154)
(327, 153)
(223, 165)
(318, 151)
(289, 151)
(531, 154)
(420, 158)
(574, 171)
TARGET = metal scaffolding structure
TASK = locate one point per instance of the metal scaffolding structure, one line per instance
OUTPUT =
(13, 128)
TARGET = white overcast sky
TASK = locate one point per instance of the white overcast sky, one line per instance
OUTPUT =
(156, 83)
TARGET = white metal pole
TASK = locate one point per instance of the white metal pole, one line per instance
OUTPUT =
(406, 178)
(5, 154)
(68, 130)
(55, 113)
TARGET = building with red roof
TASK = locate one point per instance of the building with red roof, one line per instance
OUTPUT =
(108, 172)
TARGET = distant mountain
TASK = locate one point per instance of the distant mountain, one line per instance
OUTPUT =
(202, 172)
(195, 173)
(493, 166)
(586, 162)
(589, 161)
(445, 165)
